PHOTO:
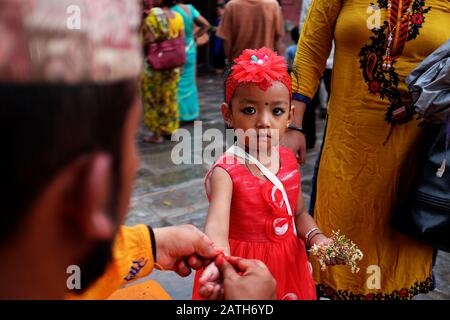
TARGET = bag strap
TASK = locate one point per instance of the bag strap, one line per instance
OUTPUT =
(235, 150)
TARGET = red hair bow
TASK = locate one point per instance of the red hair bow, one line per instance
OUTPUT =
(261, 67)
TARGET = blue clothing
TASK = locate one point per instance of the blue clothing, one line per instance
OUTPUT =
(217, 42)
(187, 87)
(290, 55)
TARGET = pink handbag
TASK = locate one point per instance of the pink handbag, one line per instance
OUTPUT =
(167, 54)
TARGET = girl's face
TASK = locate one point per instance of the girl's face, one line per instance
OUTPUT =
(263, 116)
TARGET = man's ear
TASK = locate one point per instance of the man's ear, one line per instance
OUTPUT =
(226, 114)
(88, 197)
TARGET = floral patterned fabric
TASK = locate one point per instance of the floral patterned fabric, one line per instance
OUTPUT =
(160, 87)
(385, 82)
(401, 294)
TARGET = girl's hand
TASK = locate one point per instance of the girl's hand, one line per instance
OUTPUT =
(296, 141)
(210, 282)
(211, 274)
(322, 240)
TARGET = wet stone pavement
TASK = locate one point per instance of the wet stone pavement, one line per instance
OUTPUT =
(166, 194)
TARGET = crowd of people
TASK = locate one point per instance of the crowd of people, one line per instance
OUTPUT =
(244, 24)
(171, 95)
(70, 120)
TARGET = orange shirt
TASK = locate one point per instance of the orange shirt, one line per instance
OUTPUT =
(251, 24)
(132, 259)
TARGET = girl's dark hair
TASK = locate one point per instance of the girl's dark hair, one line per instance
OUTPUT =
(169, 3)
(45, 127)
(226, 75)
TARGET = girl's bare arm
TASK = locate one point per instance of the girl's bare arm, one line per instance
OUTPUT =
(203, 25)
(304, 222)
(218, 220)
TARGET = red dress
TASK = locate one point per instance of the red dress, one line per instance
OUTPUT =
(260, 227)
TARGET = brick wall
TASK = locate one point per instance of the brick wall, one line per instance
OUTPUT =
(291, 10)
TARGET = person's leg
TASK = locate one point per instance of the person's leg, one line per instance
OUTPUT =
(152, 92)
(327, 80)
(309, 122)
(188, 103)
(312, 201)
(323, 95)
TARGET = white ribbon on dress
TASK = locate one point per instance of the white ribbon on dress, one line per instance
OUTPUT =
(237, 151)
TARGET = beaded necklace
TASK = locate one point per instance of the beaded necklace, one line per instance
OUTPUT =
(393, 23)
(404, 19)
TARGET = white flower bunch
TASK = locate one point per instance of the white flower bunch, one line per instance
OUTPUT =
(339, 248)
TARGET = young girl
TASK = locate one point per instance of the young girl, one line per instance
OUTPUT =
(256, 205)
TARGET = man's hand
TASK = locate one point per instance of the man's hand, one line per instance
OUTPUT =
(296, 141)
(246, 279)
(182, 248)
(293, 139)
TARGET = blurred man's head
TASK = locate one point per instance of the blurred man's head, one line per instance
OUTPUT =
(295, 34)
(220, 8)
(165, 3)
(69, 112)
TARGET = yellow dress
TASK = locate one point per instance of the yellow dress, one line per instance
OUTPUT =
(160, 87)
(361, 170)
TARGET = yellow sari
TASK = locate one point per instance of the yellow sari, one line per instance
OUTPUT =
(360, 170)
(160, 87)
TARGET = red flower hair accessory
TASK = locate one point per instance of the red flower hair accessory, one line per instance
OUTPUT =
(261, 67)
